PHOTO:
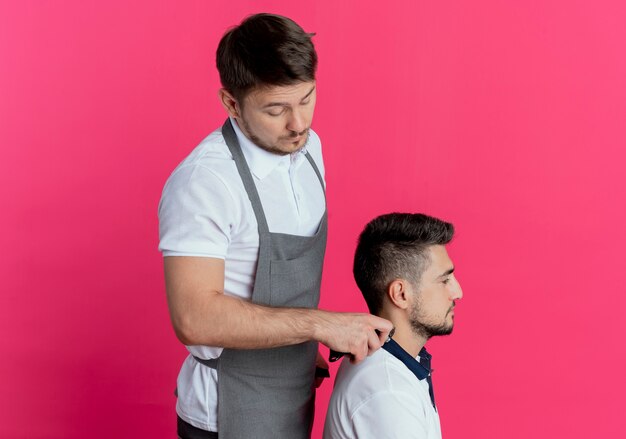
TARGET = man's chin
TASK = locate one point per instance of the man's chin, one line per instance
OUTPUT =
(296, 142)
(440, 330)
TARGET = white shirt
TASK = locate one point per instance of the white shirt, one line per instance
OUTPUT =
(205, 211)
(380, 398)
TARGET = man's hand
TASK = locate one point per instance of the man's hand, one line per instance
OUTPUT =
(358, 335)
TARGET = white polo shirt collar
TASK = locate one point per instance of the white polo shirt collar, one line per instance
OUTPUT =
(262, 162)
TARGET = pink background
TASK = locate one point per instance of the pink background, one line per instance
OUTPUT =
(506, 118)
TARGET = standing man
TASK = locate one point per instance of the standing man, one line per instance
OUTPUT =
(404, 272)
(243, 230)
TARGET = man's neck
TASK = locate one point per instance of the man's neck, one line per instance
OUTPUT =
(405, 336)
(410, 342)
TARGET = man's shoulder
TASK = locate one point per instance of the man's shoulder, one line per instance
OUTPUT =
(381, 371)
(211, 151)
(210, 159)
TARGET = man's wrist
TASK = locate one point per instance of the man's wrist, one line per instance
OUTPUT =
(316, 324)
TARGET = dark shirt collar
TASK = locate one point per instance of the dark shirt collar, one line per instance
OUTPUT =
(421, 369)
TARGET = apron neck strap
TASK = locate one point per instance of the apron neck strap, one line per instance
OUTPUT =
(246, 176)
(317, 171)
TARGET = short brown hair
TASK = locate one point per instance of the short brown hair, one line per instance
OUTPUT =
(265, 50)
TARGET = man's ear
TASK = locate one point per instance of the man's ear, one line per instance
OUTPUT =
(229, 103)
(398, 293)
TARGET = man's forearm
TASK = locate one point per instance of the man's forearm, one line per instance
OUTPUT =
(231, 322)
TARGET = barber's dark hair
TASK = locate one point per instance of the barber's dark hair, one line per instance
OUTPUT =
(265, 50)
(394, 246)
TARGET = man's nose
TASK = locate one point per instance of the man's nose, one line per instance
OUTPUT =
(457, 291)
(297, 122)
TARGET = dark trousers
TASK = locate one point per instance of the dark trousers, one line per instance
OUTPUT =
(188, 431)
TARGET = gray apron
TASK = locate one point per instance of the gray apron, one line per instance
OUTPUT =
(270, 393)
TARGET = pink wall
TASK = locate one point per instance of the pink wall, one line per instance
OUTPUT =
(507, 118)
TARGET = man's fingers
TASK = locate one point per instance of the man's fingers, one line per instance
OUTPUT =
(382, 337)
(373, 343)
(358, 356)
(383, 329)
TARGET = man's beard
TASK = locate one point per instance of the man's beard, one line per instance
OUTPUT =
(428, 330)
(271, 148)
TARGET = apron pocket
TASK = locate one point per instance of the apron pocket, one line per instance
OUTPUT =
(295, 282)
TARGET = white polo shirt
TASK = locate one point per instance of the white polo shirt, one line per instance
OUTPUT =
(380, 398)
(205, 211)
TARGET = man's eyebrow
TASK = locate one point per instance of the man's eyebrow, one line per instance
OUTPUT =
(448, 272)
(308, 94)
(285, 104)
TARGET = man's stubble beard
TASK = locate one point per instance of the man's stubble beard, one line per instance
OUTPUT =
(270, 148)
(429, 330)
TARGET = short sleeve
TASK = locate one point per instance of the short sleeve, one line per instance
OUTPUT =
(196, 214)
(390, 415)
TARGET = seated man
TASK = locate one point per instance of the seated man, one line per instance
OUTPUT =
(403, 270)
